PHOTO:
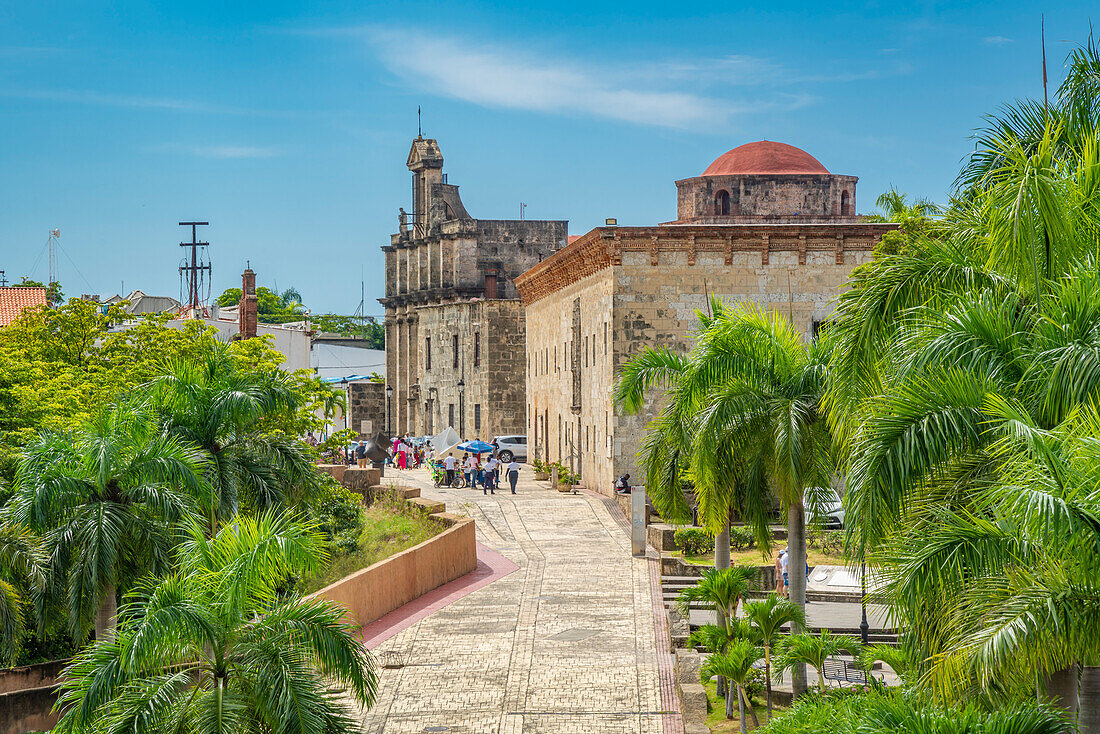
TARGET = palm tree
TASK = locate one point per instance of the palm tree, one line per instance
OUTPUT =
(20, 560)
(767, 408)
(768, 615)
(226, 411)
(805, 649)
(719, 590)
(669, 445)
(105, 498)
(962, 389)
(217, 647)
(735, 665)
(894, 206)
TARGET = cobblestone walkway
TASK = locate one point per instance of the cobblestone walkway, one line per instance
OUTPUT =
(565, 644)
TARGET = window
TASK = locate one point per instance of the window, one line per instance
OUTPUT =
(845, 203)
(586, 351)
(477, 416)
(454, 343)
(722, 202)
(451, 415)
(427, 353)
(477, 349)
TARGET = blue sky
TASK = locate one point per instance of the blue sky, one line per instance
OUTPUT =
(286, 124)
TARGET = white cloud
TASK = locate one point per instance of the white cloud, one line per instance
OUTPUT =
(132, 101)
(218, 151)
(673, 94)
(998, 40)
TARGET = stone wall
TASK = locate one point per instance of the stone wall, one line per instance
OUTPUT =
(367, 402)
(491, 341)
(448, 257)
(569, 378)
(646, 285)
(791, 196)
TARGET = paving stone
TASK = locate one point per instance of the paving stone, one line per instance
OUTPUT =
(568, 643)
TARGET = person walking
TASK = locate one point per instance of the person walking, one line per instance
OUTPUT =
(490, 474)
(513, 474)
(468, 469)
(449, 465)
(361, 454)
(784, 562)
(779, 573)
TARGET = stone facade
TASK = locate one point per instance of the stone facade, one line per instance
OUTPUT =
(366, 407)
(482, 344)
(443, 256)
(596, 303)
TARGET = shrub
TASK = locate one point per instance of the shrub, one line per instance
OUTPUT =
(540, 466)
(741, 539)
(694, 541)
(564, 475)
(338, 513)
(830, 542)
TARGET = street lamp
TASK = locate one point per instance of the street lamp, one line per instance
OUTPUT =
(389, 396)
(863, 626)
(461, 407)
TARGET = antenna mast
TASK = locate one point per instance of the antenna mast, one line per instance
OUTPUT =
(55, 234)
(197, 273)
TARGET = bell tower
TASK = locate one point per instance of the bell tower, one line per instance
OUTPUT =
(426, 163)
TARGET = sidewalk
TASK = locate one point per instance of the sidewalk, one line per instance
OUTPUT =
(566, 643)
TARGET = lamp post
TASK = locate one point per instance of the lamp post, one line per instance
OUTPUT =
(389, 397)
(863, 626)
(461, 408)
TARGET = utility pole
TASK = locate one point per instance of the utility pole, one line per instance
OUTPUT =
(198, 271)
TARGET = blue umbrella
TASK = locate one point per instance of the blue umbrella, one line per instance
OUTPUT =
(476, 447)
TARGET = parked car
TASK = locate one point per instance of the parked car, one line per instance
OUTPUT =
(830, 511)
(511, 447)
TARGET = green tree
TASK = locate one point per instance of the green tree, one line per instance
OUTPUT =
(768, 615)
(227, 412)
(271, 307)
(215, 647)
(814, 650)
(735, 665)
(54, 296)
(104, 498)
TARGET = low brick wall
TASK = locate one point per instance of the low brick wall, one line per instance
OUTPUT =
(379, 589)
(336, 471)
(27, 696)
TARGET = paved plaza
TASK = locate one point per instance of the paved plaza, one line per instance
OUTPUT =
(566, 643)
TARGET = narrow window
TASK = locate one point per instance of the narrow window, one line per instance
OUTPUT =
(427, 353)
(454, 344)
(477, 349)
(722, 203)
(846, 203)
(477, 416)
(451, 415)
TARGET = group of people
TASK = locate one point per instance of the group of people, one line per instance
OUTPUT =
(782, 582)
(407, 454)
(487, 475)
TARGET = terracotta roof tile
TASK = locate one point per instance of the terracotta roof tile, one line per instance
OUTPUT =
(14, 299)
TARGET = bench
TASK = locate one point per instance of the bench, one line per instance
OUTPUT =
(844, 670)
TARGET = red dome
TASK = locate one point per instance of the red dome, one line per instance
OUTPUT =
(764, 157)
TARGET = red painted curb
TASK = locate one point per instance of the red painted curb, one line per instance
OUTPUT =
(490, 567)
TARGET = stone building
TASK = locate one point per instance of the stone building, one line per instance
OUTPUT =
(765, 223)
(454, 322)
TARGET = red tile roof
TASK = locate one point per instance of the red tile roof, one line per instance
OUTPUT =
(764, 157)
(14, 299)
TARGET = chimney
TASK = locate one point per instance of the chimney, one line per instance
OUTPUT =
(247, 310)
